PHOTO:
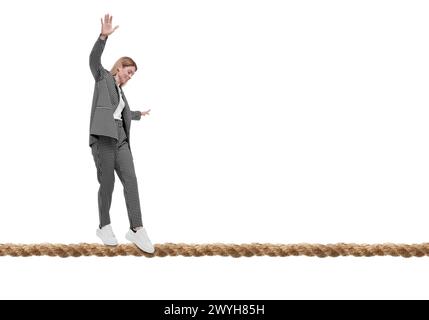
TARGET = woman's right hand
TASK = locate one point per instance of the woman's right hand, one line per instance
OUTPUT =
(106, 26)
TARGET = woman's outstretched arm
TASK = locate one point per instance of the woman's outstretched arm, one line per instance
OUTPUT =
(97, 50)
(136, 115)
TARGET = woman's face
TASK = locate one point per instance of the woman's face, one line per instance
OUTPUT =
(124, 74)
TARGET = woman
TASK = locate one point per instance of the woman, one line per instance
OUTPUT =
(109, 140)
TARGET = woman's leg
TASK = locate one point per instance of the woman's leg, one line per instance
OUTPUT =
(103, 152)
(125, 169)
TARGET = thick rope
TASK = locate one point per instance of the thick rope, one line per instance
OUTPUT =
(218, 249)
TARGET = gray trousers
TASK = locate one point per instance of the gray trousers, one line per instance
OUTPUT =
(110, 156)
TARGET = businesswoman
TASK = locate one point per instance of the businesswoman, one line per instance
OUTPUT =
(109, 140)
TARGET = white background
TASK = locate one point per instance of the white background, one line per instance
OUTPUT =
(271, 121)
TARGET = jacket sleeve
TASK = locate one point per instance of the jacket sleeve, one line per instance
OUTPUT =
(136, 115)
(95, 59)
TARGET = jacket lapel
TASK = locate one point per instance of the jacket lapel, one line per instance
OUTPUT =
(126, 114)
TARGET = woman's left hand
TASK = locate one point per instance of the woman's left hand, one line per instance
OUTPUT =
(145, 113)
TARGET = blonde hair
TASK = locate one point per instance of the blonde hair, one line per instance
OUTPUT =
(122, 62)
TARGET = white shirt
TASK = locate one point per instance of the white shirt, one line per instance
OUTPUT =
(118, 112)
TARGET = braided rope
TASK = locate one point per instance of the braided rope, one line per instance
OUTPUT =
(218, 249)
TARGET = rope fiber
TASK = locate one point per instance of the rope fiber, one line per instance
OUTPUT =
(218, 249)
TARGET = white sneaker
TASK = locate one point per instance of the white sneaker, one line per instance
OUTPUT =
(141, 240)
(107, 236)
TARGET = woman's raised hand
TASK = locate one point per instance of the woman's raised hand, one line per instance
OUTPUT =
(106, 25)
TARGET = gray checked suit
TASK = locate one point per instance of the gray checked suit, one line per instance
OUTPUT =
(109, 140)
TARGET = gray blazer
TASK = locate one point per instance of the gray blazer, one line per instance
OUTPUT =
(105, 100)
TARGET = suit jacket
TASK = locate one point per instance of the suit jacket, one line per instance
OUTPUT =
(105, 100)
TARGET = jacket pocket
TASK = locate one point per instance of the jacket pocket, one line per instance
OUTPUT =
(103, 123)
